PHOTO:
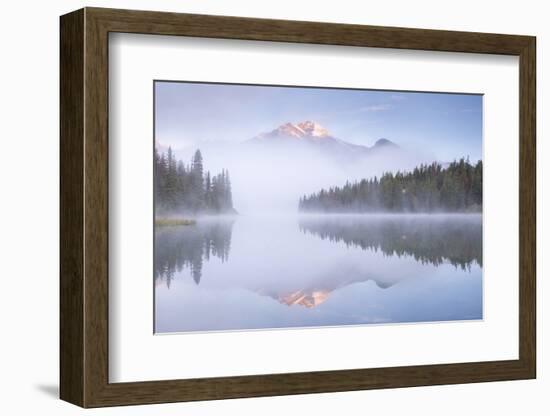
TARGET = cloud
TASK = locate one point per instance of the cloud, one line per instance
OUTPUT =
(375, 107)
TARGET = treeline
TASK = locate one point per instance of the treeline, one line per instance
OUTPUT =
(175, 250)
(187, 188)
(428, 188)
(457, 241)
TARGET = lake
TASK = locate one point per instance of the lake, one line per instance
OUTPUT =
(266, 272)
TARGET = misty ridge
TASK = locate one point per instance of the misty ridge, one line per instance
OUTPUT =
(303, 167)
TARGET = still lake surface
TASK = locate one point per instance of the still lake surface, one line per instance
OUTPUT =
(250, 272)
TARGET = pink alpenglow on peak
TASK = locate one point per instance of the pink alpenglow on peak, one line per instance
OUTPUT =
(305, 129)
(313, 129)
(309, 136)
(289, 129)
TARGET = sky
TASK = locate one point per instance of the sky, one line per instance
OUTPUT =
(449, 126)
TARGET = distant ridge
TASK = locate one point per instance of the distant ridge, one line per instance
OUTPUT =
(311, 134)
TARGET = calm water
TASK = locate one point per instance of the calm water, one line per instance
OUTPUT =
(280, 272)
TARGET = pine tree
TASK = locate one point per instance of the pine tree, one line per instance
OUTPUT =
(229, 194)
(186, 188)
(170, 182)
(197, 181)
(427, 188)
(207, 191)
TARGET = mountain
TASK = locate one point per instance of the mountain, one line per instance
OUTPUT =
(307, 299)
(384, 143)
(271, 171)
(312, 136)
(319, 292)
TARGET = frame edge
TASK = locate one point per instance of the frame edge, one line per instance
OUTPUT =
(528, 208)
(84, 188)
(71, 290)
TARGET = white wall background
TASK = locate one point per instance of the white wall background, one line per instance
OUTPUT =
(29, 159)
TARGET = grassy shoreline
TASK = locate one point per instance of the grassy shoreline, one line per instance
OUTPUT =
(167, 222)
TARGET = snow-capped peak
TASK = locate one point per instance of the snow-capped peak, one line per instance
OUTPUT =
(290, 129)
(305, 129)
(310, 135)
(313, 129)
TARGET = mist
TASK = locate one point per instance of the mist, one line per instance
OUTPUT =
(271, 178)
(300, 227)
(254, 272)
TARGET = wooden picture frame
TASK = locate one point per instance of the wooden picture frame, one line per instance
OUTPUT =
(84, 207)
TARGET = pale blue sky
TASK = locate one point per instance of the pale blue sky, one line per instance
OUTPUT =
(447, 125)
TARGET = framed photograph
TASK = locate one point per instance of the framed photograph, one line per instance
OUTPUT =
(255, 207)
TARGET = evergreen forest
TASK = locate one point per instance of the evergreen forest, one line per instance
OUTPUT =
(188, 188)
(427, 188)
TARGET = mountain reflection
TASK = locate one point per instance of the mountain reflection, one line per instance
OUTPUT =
(428, 239)
(434, 239)
(309, 298)
(188, 246)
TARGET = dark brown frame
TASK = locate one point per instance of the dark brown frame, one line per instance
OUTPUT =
(84, 207)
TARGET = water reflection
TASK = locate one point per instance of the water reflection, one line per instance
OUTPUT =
(429, 239)
(279, 272)
(188, 246)
(316, 292)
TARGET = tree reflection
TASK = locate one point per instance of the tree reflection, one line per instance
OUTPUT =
(429, 239)
(189, 246)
